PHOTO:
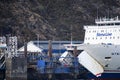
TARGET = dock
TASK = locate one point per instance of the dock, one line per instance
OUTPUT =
(26, 65)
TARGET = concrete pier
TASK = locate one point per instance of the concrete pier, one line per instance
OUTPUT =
(16, 68)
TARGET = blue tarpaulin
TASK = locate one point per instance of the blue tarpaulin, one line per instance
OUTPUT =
(40, 64)
(62, 70)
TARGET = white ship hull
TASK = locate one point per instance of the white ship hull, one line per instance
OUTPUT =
(106, 55)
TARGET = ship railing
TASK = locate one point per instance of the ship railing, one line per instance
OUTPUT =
(107, 19)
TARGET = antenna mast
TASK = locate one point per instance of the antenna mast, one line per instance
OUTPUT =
(97, 12)
(108, 13)
(71, 35)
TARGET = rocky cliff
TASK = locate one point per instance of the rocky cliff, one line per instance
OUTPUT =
(52, 19)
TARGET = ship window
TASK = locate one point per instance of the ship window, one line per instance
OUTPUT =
(107, 57)
(118, 37)
(102, 30)
(94, 31)
(102, 24)
(109, 24)
(110, 37)
(113, 37)
(105, 37)
(117, 23)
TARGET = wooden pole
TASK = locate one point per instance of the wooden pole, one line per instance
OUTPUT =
(25, 49)
(50, 49)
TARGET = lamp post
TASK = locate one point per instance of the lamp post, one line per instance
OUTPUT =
(37, 39)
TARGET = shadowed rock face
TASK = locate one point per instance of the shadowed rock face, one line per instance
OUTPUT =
(52, 19)
(18, 18)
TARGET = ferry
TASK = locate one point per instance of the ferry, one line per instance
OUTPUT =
(101, 47)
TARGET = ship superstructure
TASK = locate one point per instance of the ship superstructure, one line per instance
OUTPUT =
(105, 31)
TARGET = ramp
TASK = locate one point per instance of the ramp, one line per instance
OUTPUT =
(90, 63)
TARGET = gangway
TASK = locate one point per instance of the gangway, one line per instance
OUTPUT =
(2, 61)
(3, 48)
(2, 66)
